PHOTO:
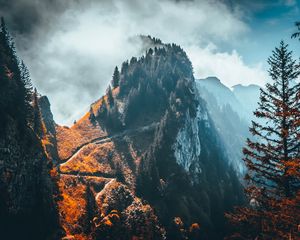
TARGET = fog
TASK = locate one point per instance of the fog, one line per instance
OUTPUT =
(72, 47)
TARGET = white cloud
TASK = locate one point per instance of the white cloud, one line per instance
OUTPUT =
(75, 63)
(228, 67)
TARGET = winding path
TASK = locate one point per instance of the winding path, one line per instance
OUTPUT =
(105, 139)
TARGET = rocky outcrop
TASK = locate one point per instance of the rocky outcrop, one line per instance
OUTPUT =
(27, 209)
(154, 136)
(49, 136)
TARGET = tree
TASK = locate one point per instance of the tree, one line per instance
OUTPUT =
(92, 115)
(91, 208)
(119, 173)
(124, 67)
(102, 111)
(273, 158)
(15, 95)
(37, 118)
(110, 97)
(116, 78)
(297, 34)
(28, 89)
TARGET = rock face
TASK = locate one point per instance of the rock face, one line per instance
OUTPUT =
(27, 208)
(49, 136)
(146, 159)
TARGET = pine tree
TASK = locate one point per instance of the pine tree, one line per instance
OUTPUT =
(14, 79)
(102, 111)
(28, 89)
(125, 67)
(273, 158)
(37, 118)
(91, 207)
(297, 34)
(110, 97)
(116, 78)
(92, 115)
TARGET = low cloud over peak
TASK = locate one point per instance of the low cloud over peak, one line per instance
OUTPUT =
(71, 47)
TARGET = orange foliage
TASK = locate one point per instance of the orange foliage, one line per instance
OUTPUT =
(93, 159)
(69, 139)
(72, 205)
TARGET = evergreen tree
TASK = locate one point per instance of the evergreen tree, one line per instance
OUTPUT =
(37, 118)
(92, 115)
(110, 97)
(14, 79)
(125, 67)
(273, 158)
(28, 89)
(119, 173)
(102, 111)
(91, 207)
(297, 34)
(116, 78)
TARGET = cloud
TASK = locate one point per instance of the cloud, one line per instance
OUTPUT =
(71, 47)
(229, 67)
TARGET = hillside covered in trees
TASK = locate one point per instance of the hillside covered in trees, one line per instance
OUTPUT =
(160, 156)
(152, 135)
(27, 198)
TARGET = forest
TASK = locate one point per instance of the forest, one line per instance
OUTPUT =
(162, 154)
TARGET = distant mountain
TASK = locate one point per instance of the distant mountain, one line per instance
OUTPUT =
(232, 111)
(248, 96)
(222, 93)
(242, 99)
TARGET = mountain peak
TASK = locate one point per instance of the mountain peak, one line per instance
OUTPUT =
(211, 79)
(242, 87)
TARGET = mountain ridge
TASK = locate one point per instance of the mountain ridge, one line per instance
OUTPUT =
(121, 138)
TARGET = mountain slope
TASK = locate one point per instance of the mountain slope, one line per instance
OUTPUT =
(27, 208)
(248, 96)
(232, 112)
(151, 138)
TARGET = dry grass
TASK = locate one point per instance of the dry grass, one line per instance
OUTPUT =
(83, 131)
(94, 165)
(93, 159)
(69, 139)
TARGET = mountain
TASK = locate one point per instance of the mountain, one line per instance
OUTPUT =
(146, 160)
(232, 112)
(222, 94)
(248, 96)
(242, 99)
(27, 207)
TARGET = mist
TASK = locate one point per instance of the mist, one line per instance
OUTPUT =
(72, 47)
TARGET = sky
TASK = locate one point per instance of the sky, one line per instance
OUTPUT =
(72, 46)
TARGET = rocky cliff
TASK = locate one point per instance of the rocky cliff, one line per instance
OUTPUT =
(146, 160)
(27, 207)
